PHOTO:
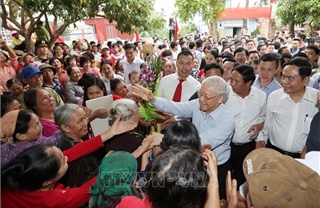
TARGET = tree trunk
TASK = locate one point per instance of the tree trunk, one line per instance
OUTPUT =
(247, 3)
(213, 29)
(291, 28)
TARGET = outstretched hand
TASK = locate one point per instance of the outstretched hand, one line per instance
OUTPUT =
(119, 127)
(142, 93)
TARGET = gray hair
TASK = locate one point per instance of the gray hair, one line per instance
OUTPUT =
(220, 86)
(125, 107)
(63, 113)
(173, 64)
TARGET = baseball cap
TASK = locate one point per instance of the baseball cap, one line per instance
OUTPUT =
(29, 71)
(43, 66)
(277, 180)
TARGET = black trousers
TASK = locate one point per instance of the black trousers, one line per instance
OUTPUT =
(238, 153)
(171, 34)
(222, 175)
(291, 154)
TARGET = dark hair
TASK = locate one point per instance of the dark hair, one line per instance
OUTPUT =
(315, 48)
(192, 45)
(6, 101)
(10, 82)
(300, 55)
(84, 59)
(199, 43)
(177, 179)
(254, 51)
(30, 99)
(296, 39)
(129, 45)
(30, 169)
(260, 46)
(69, 59)
(113, 84)
(105, 62)
(303, 64)
(246, 72)
(173, 44)
(277, 45)
(22, 125)
(53, 59)
(302, 36)
(181, 132)
(214, 52)
(240, 49)
(91, 80)
(281, 49)
(214, 65)
(166, 53)
(184, 53)
(69, 69)
(117, 64)
(270, 57)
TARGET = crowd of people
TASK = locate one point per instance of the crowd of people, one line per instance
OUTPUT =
(240, 124)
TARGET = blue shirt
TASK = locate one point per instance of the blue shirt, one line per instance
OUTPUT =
(272, 86)
(216, 128)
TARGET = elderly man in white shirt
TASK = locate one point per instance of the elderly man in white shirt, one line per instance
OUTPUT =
(247, 104)
(290, 110)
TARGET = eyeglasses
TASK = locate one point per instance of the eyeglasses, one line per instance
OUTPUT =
(206, 97)
(290, 78)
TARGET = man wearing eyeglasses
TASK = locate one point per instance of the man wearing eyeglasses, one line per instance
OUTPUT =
(213, 121)
(290, 110)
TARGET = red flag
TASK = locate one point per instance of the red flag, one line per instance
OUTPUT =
(176, 30)
(137, 37)
(272, 1)
(99, 34)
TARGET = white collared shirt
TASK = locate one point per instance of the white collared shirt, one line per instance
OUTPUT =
(247, 111)
(168, 85)
(134, 66)
(287, 122)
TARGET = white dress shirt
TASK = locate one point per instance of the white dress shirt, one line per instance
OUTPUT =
(287, 122)
(169, 83)
(134, 66)
(247, 111)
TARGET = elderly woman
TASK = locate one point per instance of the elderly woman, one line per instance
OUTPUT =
(31, 179)
(21, 129)
(74, 92)
(41, 102)
(129, 141)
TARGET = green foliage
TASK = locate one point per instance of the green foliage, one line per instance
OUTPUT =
(299, 11)
(130, 15)
(187, 29)
(210, 9)
(255, 32)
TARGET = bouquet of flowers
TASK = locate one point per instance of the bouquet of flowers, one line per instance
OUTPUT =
(149, 78)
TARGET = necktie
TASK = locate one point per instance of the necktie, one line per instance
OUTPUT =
(177, 93)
